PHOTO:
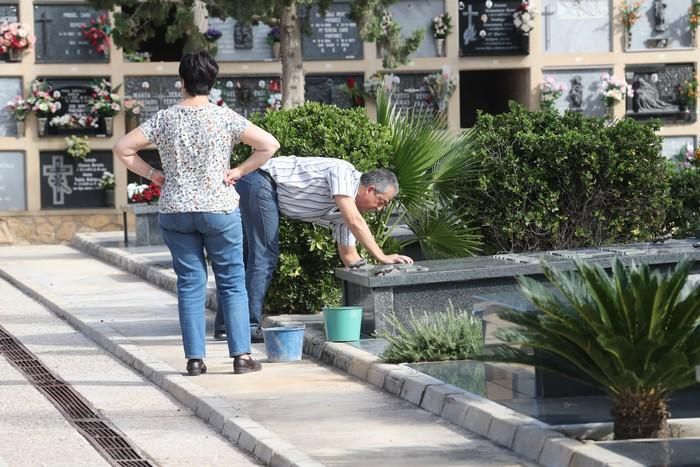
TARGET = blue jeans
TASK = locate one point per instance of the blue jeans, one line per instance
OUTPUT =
(261, 222)
(187, 235)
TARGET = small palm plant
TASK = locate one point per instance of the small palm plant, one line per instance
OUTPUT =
(430, 164)
(635, 334)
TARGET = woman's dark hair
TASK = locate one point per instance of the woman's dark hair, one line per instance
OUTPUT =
(198, 70)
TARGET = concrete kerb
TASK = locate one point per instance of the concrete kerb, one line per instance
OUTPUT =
(216, 411)
(524, 435)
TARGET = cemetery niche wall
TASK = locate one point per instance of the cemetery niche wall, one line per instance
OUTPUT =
(241, 42)
(582, 93)
(487, 28)
(590, 19)
(59, 36)
(415, 15)
(658, 92)
(12, 176)
(673, 145)
(334, 90)
(67, 183)
(333, 36)
(663, 25)
(9, 88)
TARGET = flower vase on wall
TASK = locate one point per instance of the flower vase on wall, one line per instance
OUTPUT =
(440, 47)
(628, 39)
(21, 127)
(132, 122)
(14, 55)
(109, 198)
(41, 125)
(109, 125)
(276, 50)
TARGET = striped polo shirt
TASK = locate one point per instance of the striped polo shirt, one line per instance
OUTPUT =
(306, 187)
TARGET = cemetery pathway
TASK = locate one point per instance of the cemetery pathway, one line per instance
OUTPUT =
(35, 433)
(314, 413)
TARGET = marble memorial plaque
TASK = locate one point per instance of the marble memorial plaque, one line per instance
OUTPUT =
(247, 95)
(415, 15)
(241, 42)
(155, 92)
(486, 28)
(12, 188)
(8, 14)
(68, 183)
(656, 93)
(9, 88)
(333, 36)
(663, 24)
(75, 94)
(411, 93)
(329, 89)
(582, 92)
(673, 145)
(589, 18)
(59, 37)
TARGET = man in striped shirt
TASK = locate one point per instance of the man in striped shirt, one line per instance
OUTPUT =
(320, 190)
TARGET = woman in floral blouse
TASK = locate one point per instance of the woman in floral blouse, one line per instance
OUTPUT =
(199, 204)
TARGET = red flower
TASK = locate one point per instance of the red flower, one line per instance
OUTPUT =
(351, 83)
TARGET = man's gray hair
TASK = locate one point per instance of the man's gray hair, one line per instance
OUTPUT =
(382, 179)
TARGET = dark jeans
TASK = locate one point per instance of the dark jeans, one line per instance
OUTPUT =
(187, 235)
(261, 221)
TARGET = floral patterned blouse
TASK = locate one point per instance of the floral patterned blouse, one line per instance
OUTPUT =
(195, 145)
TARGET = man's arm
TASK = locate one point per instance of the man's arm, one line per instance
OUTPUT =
(358, 226)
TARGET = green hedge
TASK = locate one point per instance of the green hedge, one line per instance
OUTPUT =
(305, 279)
(683, 217)
(565, 181)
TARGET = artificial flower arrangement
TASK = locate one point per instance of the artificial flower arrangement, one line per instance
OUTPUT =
(74, 121)
(98, 32)
(104, 101)
(106, 181)
(15, 38)
(550, 91)
(694, 15)
(143, 193)
(441, 25)
(688, 92)
(441, 87)
(273, 36)
(388, 82)
(351, 88)
(212, 35)
(19, 107)
(688, 157)
(133, 107)
(274, 94)
(524, 18)
(43, 99)
(630, 14)
(613, 90)
(77, 147)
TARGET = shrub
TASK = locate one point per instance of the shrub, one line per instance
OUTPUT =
(452, 335)
(566, 181)
(683, 216)
(305, 279)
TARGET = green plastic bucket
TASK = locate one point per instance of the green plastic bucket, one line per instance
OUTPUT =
(342, 323)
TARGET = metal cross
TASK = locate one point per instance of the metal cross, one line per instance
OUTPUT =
(470, 33)
(57, 174)
(44, 34)
(547, 13)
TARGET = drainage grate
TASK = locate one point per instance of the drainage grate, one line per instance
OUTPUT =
(106, 439)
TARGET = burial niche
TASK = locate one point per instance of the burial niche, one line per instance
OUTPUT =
(490, 91)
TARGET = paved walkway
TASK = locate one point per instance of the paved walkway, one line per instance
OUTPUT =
(306, 412)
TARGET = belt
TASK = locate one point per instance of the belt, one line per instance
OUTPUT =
(268, 177)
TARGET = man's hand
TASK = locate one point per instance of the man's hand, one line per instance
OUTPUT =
(394, 259)
(231, 176)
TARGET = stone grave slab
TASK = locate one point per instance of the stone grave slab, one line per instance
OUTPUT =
(411, 93)
(582, 90)
(333, 36)
(67, 183)
(672, 145)
(581, 254)
(656, 92)
(247, 95)
(415, 15)
(663, 25)
(59, 38)
(155, 92)
(75, 94)
(589, 18)
(486, 28)
(12, 185)
(241, 42)
(8, 14)
(328, 89)
(9, 88)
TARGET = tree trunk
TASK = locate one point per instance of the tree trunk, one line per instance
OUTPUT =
(640, 415)
(292, 62)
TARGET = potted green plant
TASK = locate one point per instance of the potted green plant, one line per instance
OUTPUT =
(106, 183)
(19, 108)
(635, 334)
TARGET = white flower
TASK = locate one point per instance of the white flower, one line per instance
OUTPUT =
(145, 85)
(229, 84)
(261, 84)
(177, 85)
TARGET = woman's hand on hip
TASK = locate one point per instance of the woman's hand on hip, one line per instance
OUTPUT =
(231, 176)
